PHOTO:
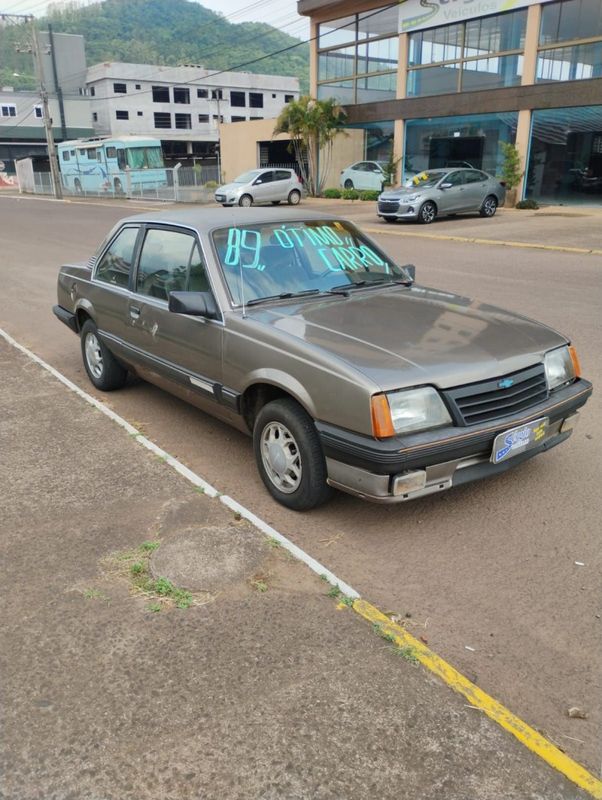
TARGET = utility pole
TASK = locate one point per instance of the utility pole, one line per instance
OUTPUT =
(34, 49)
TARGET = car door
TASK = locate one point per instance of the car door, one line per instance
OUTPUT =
(263, 189)
(109, 292)
(475, 188)
(451, 199)
(374, 177)
(282, 184)
(178, 348)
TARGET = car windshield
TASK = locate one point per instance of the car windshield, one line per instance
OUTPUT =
(247, 177)
(267, 261)
(426, 179)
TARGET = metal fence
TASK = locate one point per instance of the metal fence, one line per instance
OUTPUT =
(176, 184)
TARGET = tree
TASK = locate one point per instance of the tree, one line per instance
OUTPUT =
(511, 166)
(312, 126)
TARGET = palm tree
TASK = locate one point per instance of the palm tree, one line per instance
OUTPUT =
(312, 126)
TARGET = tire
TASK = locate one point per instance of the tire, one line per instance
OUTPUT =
(105, 372)
(77, 186)
(348, 184)
(390, 220)
(246, 201)
(427, 213)
(293, 473)
(489, 206)
(294, 197)
(275, 202)
(118, 186)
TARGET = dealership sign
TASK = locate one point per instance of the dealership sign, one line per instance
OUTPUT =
(417, 14)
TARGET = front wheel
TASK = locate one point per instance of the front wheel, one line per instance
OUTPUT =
(289, 455)
(245, 201)
(105, 372)
(427, 213)
(348, 184)
(294, 198)
(275, 202)
(489, 206)
(77, 186)
(390, 220)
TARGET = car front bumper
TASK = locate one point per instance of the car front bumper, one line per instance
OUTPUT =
(404, 468)
(404, 211)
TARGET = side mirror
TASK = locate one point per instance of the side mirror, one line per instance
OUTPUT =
(257, 182)
(410, 269)
(195, 304)
(446, 185)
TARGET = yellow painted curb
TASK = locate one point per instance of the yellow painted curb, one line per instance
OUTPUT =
(473, 240)
(479, 699)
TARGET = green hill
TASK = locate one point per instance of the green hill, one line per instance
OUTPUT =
(165, 32)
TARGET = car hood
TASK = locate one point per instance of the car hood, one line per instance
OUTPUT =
(229, 187)
(400, 337)
(401, 191)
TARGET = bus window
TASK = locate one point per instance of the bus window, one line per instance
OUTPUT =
(111, 152)
(91, 153)
(65, 155)
(121, 163)
(141, 157)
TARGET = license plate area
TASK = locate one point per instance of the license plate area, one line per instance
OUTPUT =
(518, 440)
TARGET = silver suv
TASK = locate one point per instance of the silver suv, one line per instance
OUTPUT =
(262, 186)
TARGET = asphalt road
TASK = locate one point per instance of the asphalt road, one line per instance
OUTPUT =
(489, 566)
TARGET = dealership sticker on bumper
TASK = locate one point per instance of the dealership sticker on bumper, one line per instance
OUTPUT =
(518, 440)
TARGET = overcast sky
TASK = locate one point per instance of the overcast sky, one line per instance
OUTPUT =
(279, 13)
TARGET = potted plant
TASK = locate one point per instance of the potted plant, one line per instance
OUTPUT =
(511, 171)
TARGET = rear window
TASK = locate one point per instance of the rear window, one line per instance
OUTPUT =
(312, 256)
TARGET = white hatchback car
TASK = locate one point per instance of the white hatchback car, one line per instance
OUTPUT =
(261, 186)
(364, 175)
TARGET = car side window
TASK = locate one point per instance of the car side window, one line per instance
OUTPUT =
(474, 176)
(456, 178)
(197, 274)
(266, 177)
(282, 175)
(163, 264)
(114, 267)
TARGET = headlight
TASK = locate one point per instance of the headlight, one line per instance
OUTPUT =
(561, 366)
(411, 198)
(408, 410)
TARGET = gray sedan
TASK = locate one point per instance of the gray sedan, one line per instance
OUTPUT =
(300, 331)
(437, 192)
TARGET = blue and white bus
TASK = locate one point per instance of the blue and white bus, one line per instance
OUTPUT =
(112, 164)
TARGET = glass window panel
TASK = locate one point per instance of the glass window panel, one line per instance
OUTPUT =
(378, 56)
(570, 19)
(433, 80)
(336, 63)
(565, 163)
(197, 275)
(337, 31)
(163, 264)
(471, 139)
(115, 265)
(570, 63)
(437, 44)
(493, 34)
(342, 91)
(380, 23)
(491, 73)
(377, 87)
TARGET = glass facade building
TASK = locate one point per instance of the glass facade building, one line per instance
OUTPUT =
(458, 85)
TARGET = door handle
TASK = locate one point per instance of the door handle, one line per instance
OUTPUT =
(134, 312)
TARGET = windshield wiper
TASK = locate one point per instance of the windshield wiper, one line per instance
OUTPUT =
(283, 296)
(347, 287)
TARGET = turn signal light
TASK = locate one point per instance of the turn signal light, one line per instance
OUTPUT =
(382, 424)
(575, 360)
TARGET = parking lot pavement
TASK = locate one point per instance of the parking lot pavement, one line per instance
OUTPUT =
(260, 688)
(572, 228)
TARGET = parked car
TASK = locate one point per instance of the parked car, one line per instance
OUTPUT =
(262, 186)
(437, 192)
(364, 175)
(300, 331)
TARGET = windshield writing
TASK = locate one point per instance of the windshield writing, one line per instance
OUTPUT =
(269, 260)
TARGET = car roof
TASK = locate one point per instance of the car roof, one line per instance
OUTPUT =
(206, 219)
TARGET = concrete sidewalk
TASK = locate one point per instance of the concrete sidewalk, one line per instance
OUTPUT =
(260, 688)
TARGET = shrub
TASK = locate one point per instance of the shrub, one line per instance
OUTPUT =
(527, 204)
(332, 194)
(211, 185)
(511, 167)
(350, 194)
(369, 194)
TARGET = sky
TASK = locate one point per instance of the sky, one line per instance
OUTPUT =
(281, 14)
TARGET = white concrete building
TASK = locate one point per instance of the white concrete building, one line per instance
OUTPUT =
(182, 106)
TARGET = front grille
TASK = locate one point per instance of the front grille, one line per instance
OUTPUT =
(220, 197)
(487, 400)
(388, 207)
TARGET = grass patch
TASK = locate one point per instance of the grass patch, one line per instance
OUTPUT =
(94, 594)
(408, 653)
(259, 585)
(334, 591)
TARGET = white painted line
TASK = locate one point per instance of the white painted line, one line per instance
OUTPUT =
(187, 473)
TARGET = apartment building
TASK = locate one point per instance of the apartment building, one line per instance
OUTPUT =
(182, 106)
(448, 81)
